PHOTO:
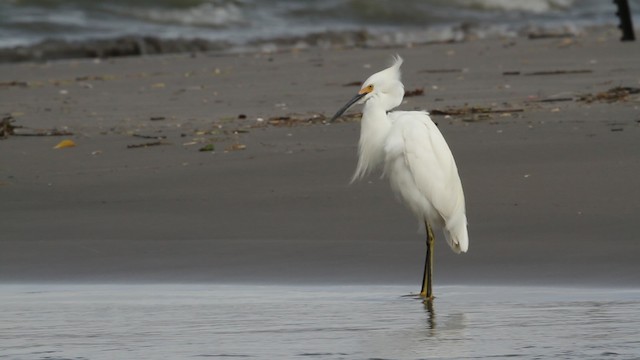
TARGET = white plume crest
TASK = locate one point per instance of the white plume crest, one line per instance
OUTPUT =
(397, 61)
(395, 66)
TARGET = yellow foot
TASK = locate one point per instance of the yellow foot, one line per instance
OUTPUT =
(423, 295)
(414, 296)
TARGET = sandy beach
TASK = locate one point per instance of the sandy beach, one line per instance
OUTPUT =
(549, 160)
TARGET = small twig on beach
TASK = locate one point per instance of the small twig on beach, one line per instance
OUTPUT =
(473, 110)
(548, 72)
(14, 83)
(441, 71)
(548, 100)
(559, 72)
(414, 92)
(144, 145)
(149, 136)
(45, 132)
(353, 83)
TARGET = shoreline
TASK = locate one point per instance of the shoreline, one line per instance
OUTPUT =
(133, 46)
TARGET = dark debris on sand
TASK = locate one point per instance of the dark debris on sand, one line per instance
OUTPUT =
(8, 129)
(306, 119)
(470, 110)
(618, 93)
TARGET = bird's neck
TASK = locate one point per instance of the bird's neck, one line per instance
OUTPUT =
(374, 128)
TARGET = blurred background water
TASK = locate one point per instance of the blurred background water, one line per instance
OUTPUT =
(321, 322)
(235, 24)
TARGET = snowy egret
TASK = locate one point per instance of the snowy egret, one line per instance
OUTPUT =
(415, 157)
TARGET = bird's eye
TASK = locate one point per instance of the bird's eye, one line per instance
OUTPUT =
(370, 88)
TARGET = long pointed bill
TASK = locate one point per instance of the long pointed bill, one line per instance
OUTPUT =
(344, 108)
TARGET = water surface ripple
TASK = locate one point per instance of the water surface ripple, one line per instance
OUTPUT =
(320, 322)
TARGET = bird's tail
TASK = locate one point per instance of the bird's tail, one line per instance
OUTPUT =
(456, 235)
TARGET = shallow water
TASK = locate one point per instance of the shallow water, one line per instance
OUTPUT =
(323, 322)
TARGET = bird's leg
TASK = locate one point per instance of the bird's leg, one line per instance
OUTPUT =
(427, 291)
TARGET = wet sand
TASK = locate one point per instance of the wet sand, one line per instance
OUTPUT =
(551, 186)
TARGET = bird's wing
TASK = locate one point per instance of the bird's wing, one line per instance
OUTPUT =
(417, 147)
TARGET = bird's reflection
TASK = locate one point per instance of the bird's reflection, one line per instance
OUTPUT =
(422, 331)
(431, 316)
(450, 322)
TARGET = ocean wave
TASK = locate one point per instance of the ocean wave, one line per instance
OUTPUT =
(245, 24)
(529, 6)
(205, 15)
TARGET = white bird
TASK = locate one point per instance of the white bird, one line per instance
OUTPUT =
(415, 157)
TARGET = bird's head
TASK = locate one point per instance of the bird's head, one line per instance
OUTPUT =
(384, 87)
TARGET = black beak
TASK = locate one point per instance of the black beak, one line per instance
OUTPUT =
(344, 108)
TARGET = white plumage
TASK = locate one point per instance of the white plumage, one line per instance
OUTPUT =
(422, 171)
(415, 158)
